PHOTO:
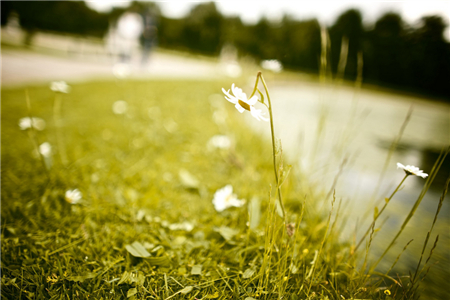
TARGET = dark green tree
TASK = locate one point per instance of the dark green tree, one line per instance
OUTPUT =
(430, 61)
(203, 29)
(348, 24)
(384, 55)
(58, 16)
(300, 44)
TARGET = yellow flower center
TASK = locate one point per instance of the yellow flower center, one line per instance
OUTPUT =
(244, 105)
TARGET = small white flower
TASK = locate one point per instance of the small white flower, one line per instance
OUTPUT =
(36, 123)
(120, 107)
(272, 65)
(239, 98)
(220, 141)
(45, 149)
(224, 198)
(73, 196)
(412, 170)
(60, 87)
(232, 69)
(186, 226)
(121, 70)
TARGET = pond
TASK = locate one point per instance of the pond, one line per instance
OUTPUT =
(329, 127)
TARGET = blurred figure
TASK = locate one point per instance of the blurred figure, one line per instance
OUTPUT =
(129, 30)
(229, 61)
(149, 35)
(272, 65)
(13, 24)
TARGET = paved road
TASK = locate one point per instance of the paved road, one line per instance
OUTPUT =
(21, 67)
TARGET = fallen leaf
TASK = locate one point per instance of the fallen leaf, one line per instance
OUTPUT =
(227, 232)
(187, 289)
(188, 180)
(81, 278)
(137, 250)
(248, 273)
(196, 270)
(131, 292)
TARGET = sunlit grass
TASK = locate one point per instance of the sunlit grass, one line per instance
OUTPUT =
(146, 227)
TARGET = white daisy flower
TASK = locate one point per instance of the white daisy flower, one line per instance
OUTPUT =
(224, 198)
(241, 102)
(45, 149)
(36, 123)
(272, 65)
(121, 70)
(232, 69)
(120, 107)
(411, 170)
(73, 196)
(60, 87)
(219, 141)
(186, 226)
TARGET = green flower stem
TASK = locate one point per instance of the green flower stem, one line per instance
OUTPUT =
(33, 137)
(259, 76)
(57, 121)
(382, 209)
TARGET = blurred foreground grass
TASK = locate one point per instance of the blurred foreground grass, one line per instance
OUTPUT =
(148, 177)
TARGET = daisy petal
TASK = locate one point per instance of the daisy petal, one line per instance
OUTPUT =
(239, 108)
(227, 93)
(252, 100)
(400, 166)
(232, 100)
(412, 170)
(239, 98)
(257, 114)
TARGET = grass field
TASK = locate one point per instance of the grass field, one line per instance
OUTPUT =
(146, 227)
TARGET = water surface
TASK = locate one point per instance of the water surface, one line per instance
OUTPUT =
(323, 125)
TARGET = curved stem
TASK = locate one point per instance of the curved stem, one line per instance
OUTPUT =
(256, 85)
(382, 209)
(33, 137)
(273, 142)
(59, 137)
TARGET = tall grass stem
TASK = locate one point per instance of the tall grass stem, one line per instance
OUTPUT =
(427, 185)
(57, 121)
(380, 212)
(33, 137)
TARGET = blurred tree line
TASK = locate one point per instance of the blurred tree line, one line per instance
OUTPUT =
(395, 54)
(60, 16)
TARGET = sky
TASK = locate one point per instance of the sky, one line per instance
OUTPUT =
(326, 11)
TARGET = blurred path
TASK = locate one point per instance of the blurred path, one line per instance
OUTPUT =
(21, 67)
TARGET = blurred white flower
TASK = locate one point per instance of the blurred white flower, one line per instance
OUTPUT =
(232, 69)
(411, 170)
(120, 107)
(170, 125)
(224, 198)
(220, 117)
(45, 149)
(60, 87)
(36, 123)
(121, 70)
(95, 177)
(73, 196)
(186, 226)
(220, 141)
(154, 112)
(272, 65)
(239, 98)
(167, 176)
(188, 180)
